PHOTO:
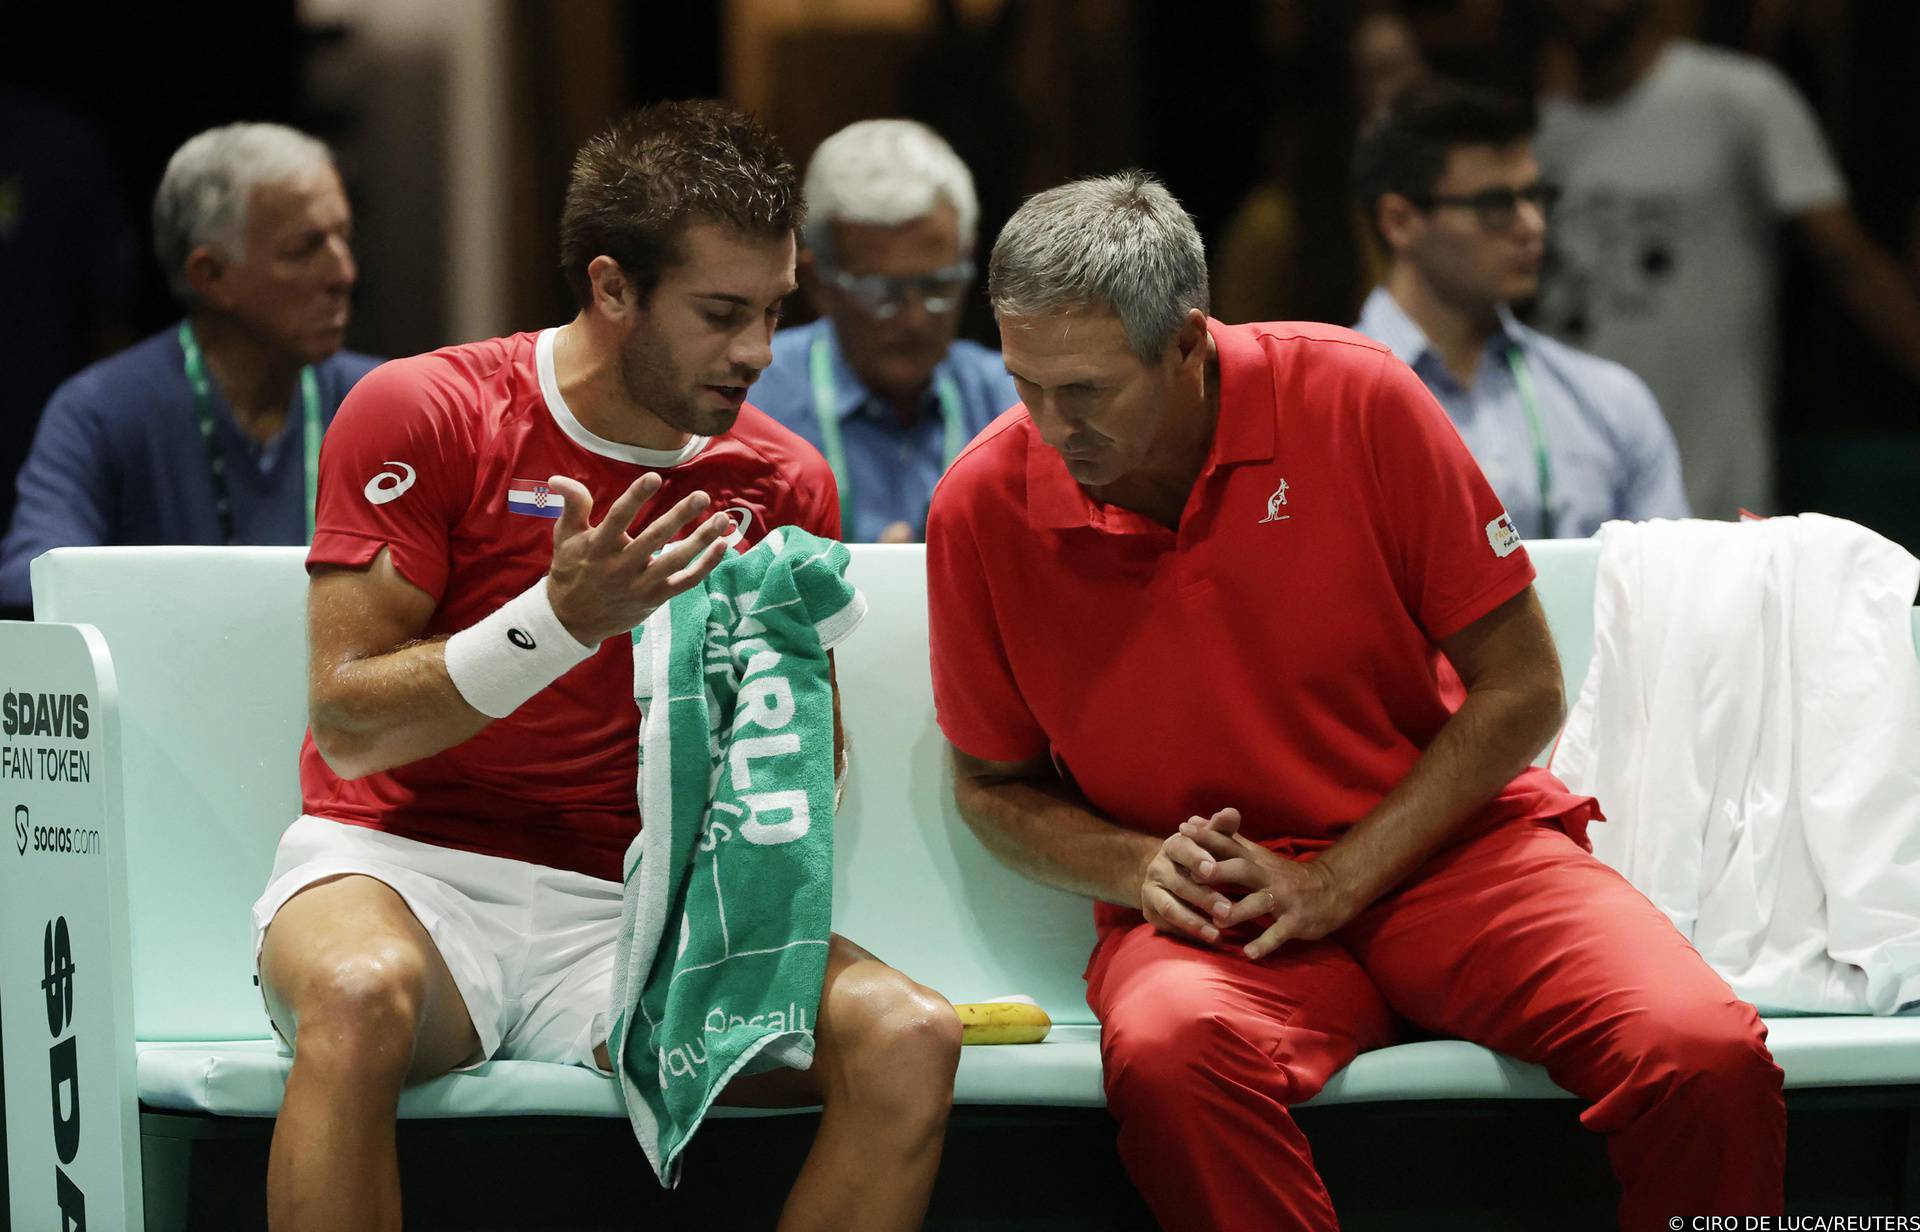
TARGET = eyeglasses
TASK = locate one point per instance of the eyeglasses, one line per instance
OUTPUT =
(881, 296)
(1498, 208)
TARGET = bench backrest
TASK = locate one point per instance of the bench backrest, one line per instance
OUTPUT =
(209, 648)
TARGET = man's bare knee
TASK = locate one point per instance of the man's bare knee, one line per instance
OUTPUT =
(360, 1011)
(354, 981)
(899, 1044)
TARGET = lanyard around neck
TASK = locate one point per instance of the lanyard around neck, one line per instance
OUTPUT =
(1537, 432)
(826, 407)
(216, 462)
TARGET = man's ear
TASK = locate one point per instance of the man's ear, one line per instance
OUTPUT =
(614, 294)
(206, 269)
(1399, 220)
(1191, 339)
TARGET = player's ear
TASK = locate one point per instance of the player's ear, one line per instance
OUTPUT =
(613, 292)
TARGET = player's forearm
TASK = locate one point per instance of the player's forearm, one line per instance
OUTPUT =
(1044, 831)
(1490, 739)
(387, 710)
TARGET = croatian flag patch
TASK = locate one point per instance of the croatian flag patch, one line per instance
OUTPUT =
(534, 498)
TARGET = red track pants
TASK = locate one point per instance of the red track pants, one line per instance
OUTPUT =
(1517, 939)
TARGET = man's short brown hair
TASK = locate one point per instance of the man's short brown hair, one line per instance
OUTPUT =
(636, 186)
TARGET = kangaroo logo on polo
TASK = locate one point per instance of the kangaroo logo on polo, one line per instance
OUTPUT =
(1274, 502)
(388, 485)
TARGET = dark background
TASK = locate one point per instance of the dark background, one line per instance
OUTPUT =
(1213, 98)
(1030, 91)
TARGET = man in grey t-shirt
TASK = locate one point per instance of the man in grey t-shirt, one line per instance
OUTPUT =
(1677, 161)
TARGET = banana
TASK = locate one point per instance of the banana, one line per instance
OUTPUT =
(1002, 1022)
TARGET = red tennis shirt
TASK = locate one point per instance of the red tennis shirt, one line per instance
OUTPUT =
(443, 460)
(1277, 654)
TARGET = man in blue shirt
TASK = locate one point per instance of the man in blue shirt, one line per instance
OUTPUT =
(209, 431)
(1567, 439)
(879, 384)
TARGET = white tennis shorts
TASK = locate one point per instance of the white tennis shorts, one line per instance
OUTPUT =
(530, 947)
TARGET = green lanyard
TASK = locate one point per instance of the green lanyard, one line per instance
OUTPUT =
(1530, 403)
(216, 464)
(826, 407)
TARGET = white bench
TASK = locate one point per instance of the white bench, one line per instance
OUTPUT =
(202, 659)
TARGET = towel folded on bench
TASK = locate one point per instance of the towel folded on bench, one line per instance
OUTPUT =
(728, 899)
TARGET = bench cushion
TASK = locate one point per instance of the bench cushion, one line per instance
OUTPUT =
(247, 1078)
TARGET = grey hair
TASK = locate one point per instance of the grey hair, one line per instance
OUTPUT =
(208, 185)
(1118, 243)
(886, 172)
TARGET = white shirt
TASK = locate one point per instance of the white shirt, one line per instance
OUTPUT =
(1664, 252)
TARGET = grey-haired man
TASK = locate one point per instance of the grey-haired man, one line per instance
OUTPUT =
(208, 431)
(880, 384)
(1230, 635)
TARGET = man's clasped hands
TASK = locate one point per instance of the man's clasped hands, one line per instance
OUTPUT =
(1208, 883)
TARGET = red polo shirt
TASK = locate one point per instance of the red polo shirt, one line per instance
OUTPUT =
(1276, 654)
(442, 460)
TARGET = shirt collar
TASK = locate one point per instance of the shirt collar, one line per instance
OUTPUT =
(1512, 333)
(1245, 432)
(1385, 321)
(850, 394)
(1249, 409)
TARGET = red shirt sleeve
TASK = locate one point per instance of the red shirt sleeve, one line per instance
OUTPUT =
(1456, 554)
(975, 699)
(396, 471)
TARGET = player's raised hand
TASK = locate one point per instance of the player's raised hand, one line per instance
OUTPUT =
(604, 581)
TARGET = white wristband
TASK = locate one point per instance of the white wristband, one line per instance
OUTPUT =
(509, 656)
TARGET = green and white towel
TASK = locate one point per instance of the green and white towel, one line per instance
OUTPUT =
(729, 886)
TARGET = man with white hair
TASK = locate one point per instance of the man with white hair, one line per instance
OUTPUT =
(208, 431)
(879, 384)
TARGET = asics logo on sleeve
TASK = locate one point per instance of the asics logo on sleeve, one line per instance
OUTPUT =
(740, 517)
(387, 484)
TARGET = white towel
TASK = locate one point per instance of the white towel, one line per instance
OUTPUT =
(1750, 722)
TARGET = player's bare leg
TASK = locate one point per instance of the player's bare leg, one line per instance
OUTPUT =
(358, 984)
